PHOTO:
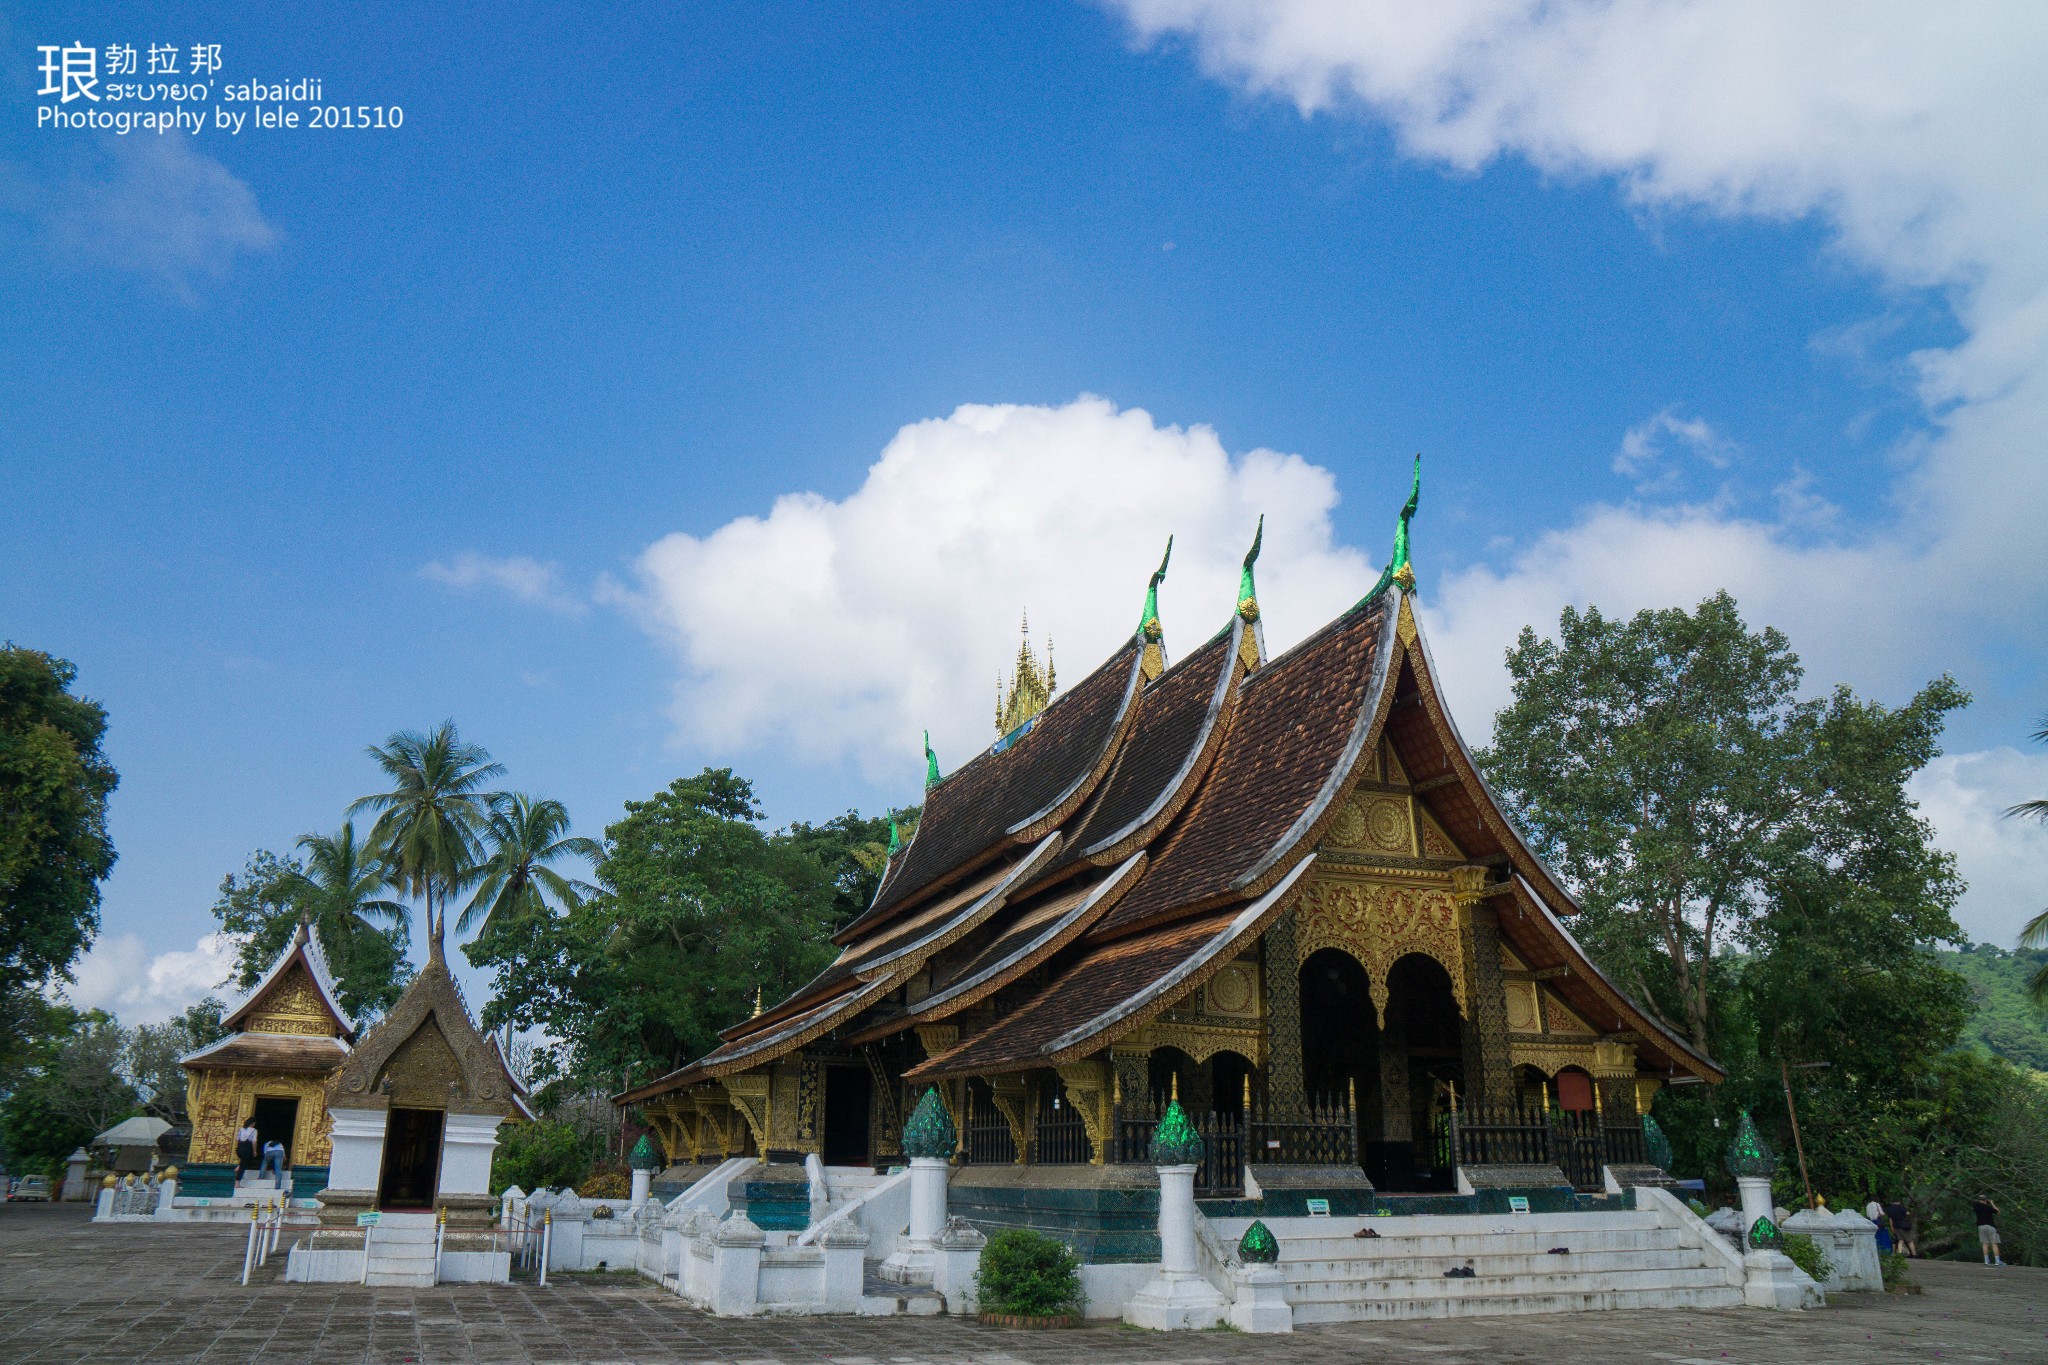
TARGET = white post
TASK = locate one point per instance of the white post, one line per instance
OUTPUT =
(249, 1252)
(1756, 1202)
(912, 1260)
(103, 1202)
(736, 1249)
(368, 1229)
(74, 1177)
(166, 1196)
(643, 1185)
(1771, 1280)
(440, 1240)
(1178, 1298)
(547, 1238)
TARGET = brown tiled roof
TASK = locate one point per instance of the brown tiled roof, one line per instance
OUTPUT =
(271, 1052)
(1297, 731)
(996, 798)
(1112, 988)
(1158, 767)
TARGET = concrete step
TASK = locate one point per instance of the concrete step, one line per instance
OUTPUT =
(1501, 1305)
(1395, 1243)
(384, 1279)
(1484, 1286)
(1375, 1268)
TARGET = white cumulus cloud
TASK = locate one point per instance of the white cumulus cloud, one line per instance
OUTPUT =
(841, 630)
(120, 975)
(1965, 797)
(520, 577)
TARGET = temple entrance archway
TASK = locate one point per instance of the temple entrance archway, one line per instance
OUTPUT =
(1421, 1074)
(849, 1101)
(412, 1159)
(276, 1119)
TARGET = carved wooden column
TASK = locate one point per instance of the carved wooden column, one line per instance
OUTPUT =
(1489, 1070)
(1285, 1088)
(1396, 1117)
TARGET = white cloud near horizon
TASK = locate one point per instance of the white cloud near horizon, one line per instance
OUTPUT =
(520, 577)
(120, 975)
(1965, 797)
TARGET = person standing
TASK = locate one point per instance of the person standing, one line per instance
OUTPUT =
(1902, 1227)
(1987, 1229)
(1874, 1211)
(245, 1149)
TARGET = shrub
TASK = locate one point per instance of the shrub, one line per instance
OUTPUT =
(539, 1154)
(1809, 1256)
(605, 1185)
(1030, 1274)
(1893, 1265)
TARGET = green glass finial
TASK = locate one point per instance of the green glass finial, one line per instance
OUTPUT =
(1765, 1236)
(1398, 570)
(1148, 622)
(1247, 591)
(1748, 1154)
(1175, 1141)
(645, 1155)
(1258, 1246)
(895, 837)
(931, 763)
(930, 1131)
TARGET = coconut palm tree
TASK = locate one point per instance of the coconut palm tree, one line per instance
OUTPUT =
(342, 879)
(430, 818)
(2035, 935)
(521, 836)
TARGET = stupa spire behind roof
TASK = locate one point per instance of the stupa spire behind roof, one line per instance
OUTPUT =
(1031, 686)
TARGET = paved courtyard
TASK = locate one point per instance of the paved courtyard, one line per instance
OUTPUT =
(70, 1292)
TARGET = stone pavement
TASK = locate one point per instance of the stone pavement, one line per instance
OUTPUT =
(70, 1292)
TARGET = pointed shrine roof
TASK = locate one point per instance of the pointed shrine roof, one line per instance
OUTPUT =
(304, 948)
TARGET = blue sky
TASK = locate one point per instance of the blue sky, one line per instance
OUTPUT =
(313, 435)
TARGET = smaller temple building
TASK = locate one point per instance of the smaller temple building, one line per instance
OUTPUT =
(286, 1037)
(415, 1109)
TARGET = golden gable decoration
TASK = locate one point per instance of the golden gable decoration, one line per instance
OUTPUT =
(426, 1052)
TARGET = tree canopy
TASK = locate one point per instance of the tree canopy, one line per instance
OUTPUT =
(261, 907)
(54, 849)
(699, 912)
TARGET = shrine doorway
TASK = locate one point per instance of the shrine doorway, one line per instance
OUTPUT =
(412, 1159)
(1421, 1075)
(1340, 1042)
(1171, 1073)
(849, 1101)
(276, 1119)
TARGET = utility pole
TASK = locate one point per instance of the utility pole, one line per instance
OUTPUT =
(1785, 1076)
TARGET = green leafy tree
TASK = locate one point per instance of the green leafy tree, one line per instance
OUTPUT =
(428, 823)
(2035, 934)
(1668, 768)
(521, 837)
(72, 1087)
(854, 851)
(262, 906)
(544, 1154)
(699, 912)
(54, 849)
(151, 1058)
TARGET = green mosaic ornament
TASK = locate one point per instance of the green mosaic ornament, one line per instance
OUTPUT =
(1656, 1146)
(931, 764)
(1749, 1154)
(930, 1130)
(1175, 1141)
(1258, 1245)
(645, 1156)
(1764, 1236)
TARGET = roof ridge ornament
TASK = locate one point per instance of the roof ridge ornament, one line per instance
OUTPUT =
(931, 764)
(1031, 686)
(1247, 590)
(1399, 571)
(1149, 630)
(895, 837)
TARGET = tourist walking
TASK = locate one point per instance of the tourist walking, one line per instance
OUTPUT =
(1987, 1229)
(1902, 1226)
(273, 1161)
(245, 1149)
(1874, 1211)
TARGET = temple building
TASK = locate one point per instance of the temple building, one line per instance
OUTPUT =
(286, 1037)
(1275, 888)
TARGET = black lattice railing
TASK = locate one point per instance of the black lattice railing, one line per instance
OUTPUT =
(1579, 1143)
(988, 1141)
(1061, 1138)
(1312, 1134)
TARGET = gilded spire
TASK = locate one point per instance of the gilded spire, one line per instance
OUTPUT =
(1398, 570)
(931, 763)
(1149, 629)
(1247, 591)
(1031, 686)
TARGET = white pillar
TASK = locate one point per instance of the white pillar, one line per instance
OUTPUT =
(103, 1207)
(643, 1185)
(736, 1267)
(167, 1194)
(1756, 1203)
(1178, 1298)
(74, 1176)
(912, 1260)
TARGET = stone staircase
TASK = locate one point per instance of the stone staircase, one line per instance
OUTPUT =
(402, 1250)
(848, 1184)
(1612, 1260)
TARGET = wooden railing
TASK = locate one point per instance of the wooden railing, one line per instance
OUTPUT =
(988, 1138)
(1579, 1144)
